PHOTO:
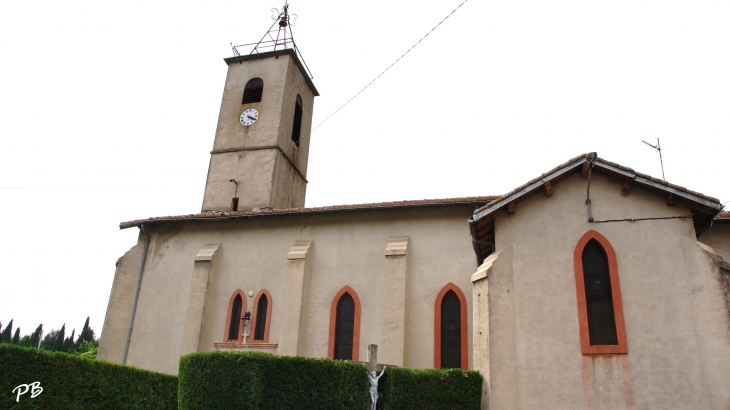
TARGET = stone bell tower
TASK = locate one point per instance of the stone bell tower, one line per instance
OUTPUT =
(261, 148)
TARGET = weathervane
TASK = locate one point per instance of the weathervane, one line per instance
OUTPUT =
(279, 37)
(659, 149)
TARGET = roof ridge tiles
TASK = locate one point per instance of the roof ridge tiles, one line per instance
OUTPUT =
(602, 160)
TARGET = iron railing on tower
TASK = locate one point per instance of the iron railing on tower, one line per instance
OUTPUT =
(277, 38)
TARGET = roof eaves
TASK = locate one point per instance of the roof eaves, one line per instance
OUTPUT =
(227, 215)
(723, 217)
(494, 206)
(644, 179)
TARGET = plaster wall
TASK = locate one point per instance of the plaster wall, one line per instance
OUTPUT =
(718, 238)
(296, 85)
(119, 308)
(254, 172)
(348, 249)
(676, 323)
(230, 134)
(288, 188)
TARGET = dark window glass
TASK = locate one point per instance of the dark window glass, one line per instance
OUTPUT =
(450, 331)
(235, 318)
(344, 327)
(296, 130)
(261, 311)
(599, 299)
(253, 91)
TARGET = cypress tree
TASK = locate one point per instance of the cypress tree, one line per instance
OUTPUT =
(16, 338)
(58, 343)
(5, 336)
(33, 339)
(68, 344)
(86, 334)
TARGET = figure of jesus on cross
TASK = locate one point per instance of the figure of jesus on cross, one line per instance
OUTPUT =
(374, 387)
(372, 374)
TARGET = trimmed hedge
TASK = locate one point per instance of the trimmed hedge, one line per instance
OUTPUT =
(253, 380)
(70, 382)
(429, 389)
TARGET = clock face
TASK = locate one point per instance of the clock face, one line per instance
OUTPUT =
(249, 116)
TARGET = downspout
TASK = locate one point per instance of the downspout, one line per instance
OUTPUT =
(591, 161)
(136, 293)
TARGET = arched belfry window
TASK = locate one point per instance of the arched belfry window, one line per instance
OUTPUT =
(236, 307)
(262, 316)
(344, 336)
(253, 91)
(600, 311)
(450, 329)
(296, 131)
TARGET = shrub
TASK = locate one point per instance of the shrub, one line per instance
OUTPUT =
(69, 382)
(429, 389)
(252, 380)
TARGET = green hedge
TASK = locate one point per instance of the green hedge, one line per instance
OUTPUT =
(430, 389)
(70, 382)
(252, 380)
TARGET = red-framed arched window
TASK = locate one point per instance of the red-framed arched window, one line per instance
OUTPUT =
(261, 317)
(600, 311)
(344, 335)
(450, 329)
(236, 308)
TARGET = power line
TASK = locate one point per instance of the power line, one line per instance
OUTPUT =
(293, 143)
(358, 93)
(56, 189)
(399, 58)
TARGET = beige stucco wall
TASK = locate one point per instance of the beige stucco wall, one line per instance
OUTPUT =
(674, 310)
(718, 238)
(119, 308)
(347, 249)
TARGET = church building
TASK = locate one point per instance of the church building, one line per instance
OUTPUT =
(590, 286)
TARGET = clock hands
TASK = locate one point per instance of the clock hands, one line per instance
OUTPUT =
(252, 118)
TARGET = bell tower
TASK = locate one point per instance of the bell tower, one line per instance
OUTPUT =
(261, 147)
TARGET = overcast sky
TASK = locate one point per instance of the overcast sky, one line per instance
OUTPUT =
(109, 111)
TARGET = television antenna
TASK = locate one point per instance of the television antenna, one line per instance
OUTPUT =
(659, 149)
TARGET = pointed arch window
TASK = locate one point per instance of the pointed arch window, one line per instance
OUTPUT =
(236, 307)
(253, 91)
(450, 329)
(262, 316)
(296, 131)
(600, 311)
(344, 337)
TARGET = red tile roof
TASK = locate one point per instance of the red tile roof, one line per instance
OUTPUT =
(217, 215)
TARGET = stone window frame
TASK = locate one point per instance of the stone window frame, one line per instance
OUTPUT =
(437, 326)
(333, 323)
(254, 316)
(618, 310)
(230, 313)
